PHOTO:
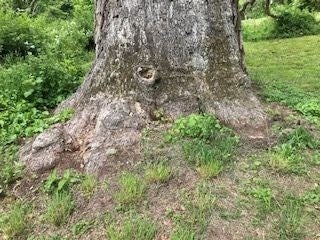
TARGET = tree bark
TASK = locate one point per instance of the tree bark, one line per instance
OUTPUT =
(182, 56)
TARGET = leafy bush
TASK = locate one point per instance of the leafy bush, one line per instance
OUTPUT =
(292, 22)
(258, 29)
(18, 37)
(257, 11)
(310, 5)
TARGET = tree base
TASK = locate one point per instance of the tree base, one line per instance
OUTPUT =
(106, 132)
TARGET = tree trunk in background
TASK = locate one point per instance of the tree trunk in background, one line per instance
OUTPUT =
(181, 56)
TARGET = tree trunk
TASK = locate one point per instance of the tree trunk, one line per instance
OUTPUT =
(181, 56)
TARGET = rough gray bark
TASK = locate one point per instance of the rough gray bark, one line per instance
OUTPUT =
(182, 56)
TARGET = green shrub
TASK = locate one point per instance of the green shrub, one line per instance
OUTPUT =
(18, 37)
(258, 29)
(293, 22)
(310, 5)
(257, 11)
(300, 138)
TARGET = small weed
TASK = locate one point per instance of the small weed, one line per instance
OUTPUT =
(88, 185)
(260, 191)
(82, 227)
(60, 206)
(158, 172)
(312, 197)
(132, 189)
(132, 226)
(193, 126)
(264, 196)
(315, 159)
(285, 158)
(14, 223)
(56, 183)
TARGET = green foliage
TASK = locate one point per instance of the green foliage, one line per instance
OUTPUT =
(300, 138)
(258, 29)
(159, 172)
(132, 226)
(199, 205)
(264, 197)
(82, 227)
(14, 223)
(39, 63)
(132, 189)
(88, 185)
(193, 126)
(59, 207)
(18, 37)
(257, 11)
(182, 233)
(10, 168)
(312, 197)
(310, 5)
(293, 22)
(290, 225)
(206, 144)
(58, 184)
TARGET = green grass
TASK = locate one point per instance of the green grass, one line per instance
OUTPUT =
(290, 225)
(132, 189)
(288, 72)
(198, 208)
(14, 223)
(257, 29)
(207, 145)
(292, 62)
(158, 172)
(88, 185)
(182, 233)
(132, 226)
(59, 208)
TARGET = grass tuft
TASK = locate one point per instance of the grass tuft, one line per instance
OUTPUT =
(158, 172)
(132, 226)
(60, 207)
(132, 189)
